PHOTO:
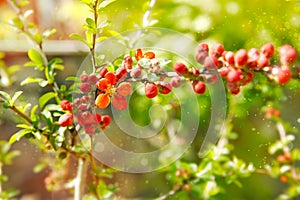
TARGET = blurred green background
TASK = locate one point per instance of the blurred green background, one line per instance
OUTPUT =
(234, 23)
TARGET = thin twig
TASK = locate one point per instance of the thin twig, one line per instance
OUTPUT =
(21, 114)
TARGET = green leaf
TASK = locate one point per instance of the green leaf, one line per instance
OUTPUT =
(90, 22)
(49, 33)
(34, 118)
(36, 57)
(39, 167)
(16, 22)
(32, 80)
(89, 38)
(18, 135)
(79, 38)
(5, 96)
(46, 114)
(45, 98)
(16, 96)
(101, 39)
(103, 4)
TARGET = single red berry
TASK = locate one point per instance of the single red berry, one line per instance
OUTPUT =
(248, 78)
(284, 178)
(199, 87)
(66, 105)
(84, 78)
(180, 68)
(200, 56)
(65, 120)
(135, 72)
(203, 47)
(81, 107)
(121, 73)
(151, 90)
(164, 87)
(233, 88)
(224, 71)
(253, 55)
(287, 54)
(211, 78)
(98, 117)
(138, 54)
(149, 55)
(282, 75)
(92, 79)
(102, 71)
(85, 88)
(241, 57)
(105, 120)
(195, 72)
(217, 50)
(211, 63)
(263, 61)
(228, 57)
(268, 50)
(127, 62)
(234, 75)
(175, 81)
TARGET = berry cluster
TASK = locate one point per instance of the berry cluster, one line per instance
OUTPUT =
(237, 69)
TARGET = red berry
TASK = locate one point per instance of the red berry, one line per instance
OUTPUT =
(200, 56)
(267, 50)
(92, 79)
(175, 81)
(164, 87)
(65, 120)
(287, 54)
(262, 61)
(151, 90)
(211, 63)
(84, 78)
(228, 56)
(105, 120)
(135, 72)
(138, 54)
(233, 88)
(195, 72)
(102, 71)
(224, 71)
(272, 112)
(203, 47)
(217, 50)
(127, 62)
(241, 57)
(121, 73)
(282, 75)
(82, 107)
(234, 75)
(85, 88)
(199, 87)
(180, 68)
(66, 105)
(149, 55)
